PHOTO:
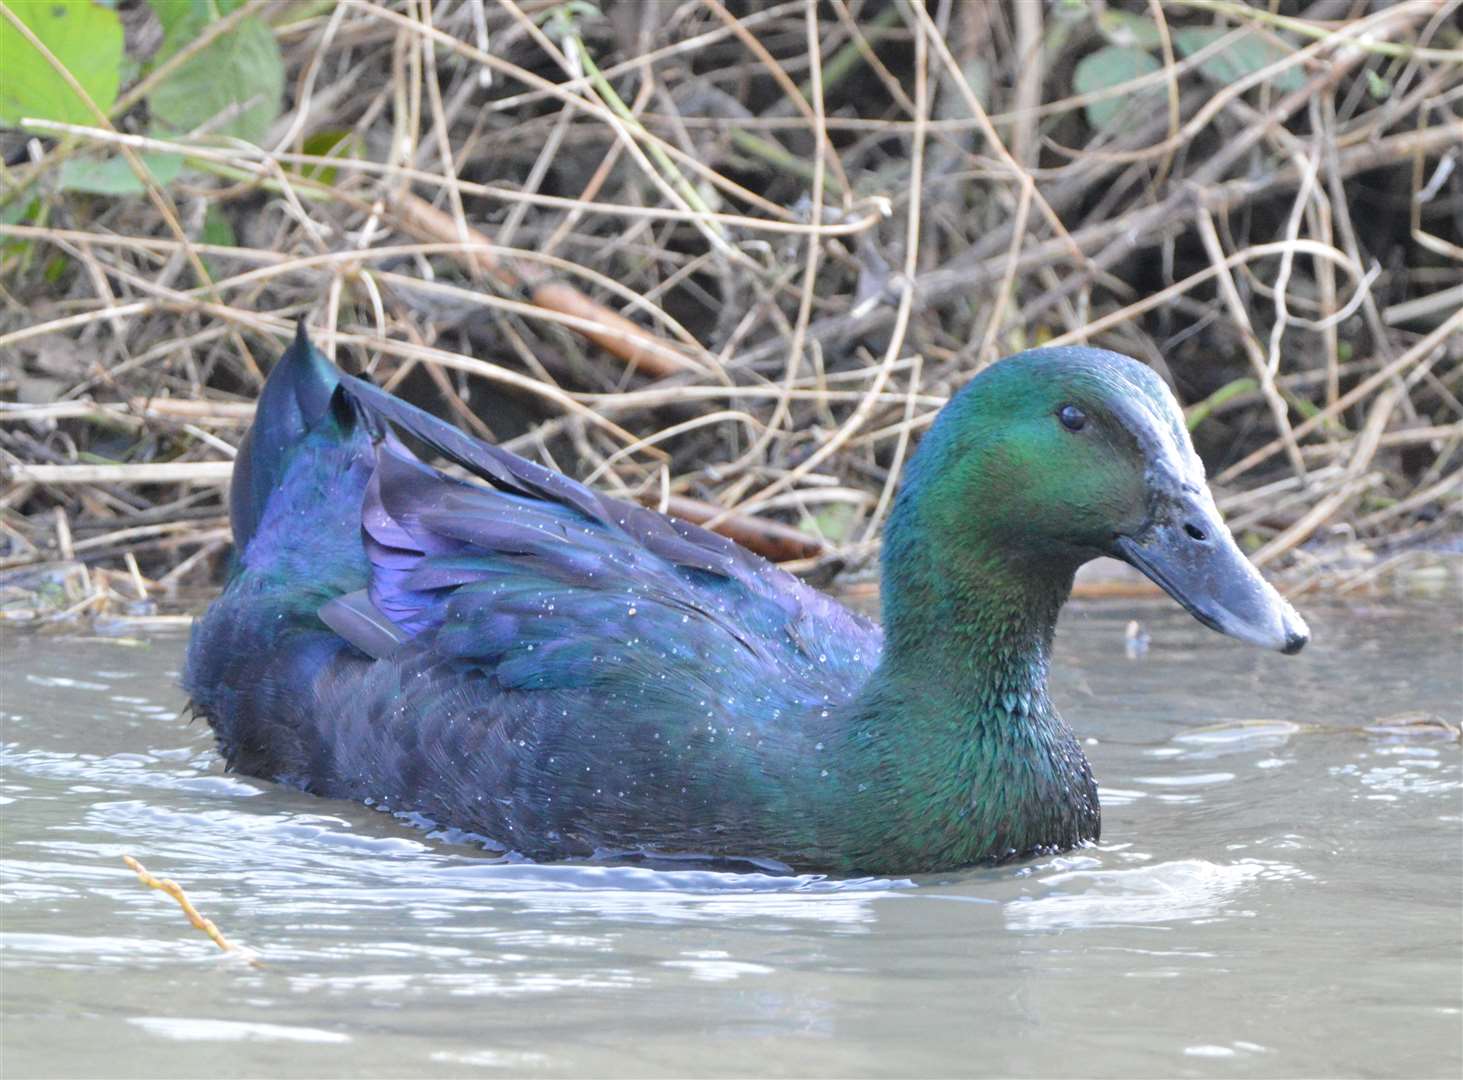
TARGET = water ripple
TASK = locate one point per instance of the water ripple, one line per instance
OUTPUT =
(1180, 891)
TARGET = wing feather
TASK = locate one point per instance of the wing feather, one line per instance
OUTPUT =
(543, 583)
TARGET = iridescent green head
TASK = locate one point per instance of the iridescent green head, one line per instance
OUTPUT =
(1056, 456)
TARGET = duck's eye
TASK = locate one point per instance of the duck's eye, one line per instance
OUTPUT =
(1072, 418)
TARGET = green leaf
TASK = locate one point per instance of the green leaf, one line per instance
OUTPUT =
(184, 20)
(1110, 66)
(1196, 414)
(1245, 56)
(113, 176)
(17, 212)
(217, 229)
(565, 18)
(335, 142)
(833, 522)
(241, 66)
(1307, 409)
(299, 11)
(1126, 28)
(1378, 87)
(84, 37)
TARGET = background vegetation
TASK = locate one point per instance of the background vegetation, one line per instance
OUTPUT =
(725, 258)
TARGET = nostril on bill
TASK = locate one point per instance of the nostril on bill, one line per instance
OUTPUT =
(1196, 532)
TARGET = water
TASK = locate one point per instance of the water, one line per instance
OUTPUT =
(1277, 894)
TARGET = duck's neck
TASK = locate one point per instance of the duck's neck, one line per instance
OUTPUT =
(968, 612)
(973, 757)
(973, 629)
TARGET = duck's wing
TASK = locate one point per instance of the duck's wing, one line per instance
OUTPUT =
(543, 583)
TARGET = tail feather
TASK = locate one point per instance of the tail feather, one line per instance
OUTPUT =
(296, 395)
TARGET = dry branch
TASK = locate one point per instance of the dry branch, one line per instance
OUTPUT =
(197, 921)
(793, 258)
(616, 334)
(180, 472)
(768, 538)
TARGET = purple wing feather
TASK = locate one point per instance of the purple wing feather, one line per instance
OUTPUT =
(536, 561)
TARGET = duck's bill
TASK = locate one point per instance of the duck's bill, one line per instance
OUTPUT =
(1195, 560)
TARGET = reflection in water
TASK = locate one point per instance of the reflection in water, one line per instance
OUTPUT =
(1234, 737)
(1261, 851)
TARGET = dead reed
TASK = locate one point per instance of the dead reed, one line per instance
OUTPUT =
(730, 259)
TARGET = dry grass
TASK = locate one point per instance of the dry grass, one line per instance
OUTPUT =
(730, 259)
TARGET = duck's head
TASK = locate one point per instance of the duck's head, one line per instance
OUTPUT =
(1057, 456)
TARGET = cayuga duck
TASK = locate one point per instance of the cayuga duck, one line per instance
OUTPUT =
(572, 676)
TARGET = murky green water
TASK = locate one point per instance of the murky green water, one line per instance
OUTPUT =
(1266, 901)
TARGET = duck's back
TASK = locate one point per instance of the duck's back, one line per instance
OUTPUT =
(522, 658)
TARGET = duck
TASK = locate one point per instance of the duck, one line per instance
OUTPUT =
(567, 676)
